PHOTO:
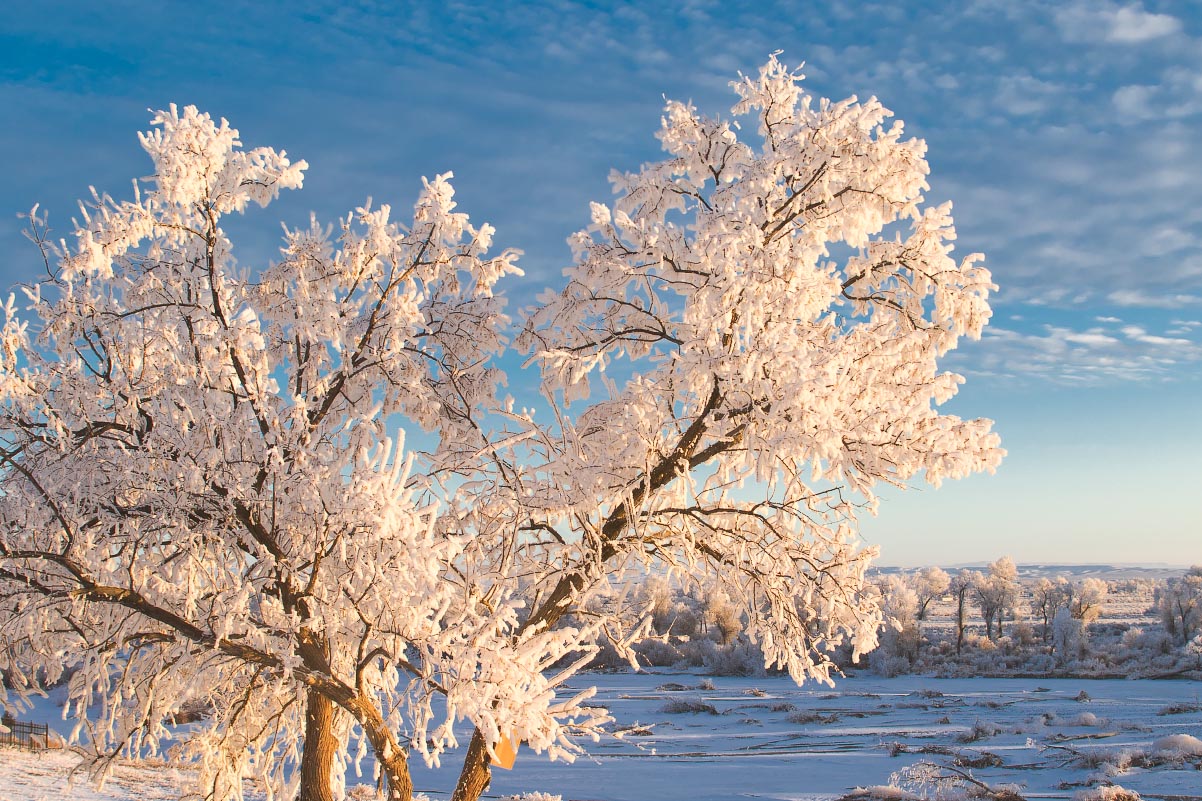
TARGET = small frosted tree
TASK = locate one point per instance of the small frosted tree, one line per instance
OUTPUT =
(1068, 636)
(1088, 599)
(997, 593)
(1180, 604)
(1047, 596)
(930, 584)
(961, 587)
(723, 615)
(900, 635)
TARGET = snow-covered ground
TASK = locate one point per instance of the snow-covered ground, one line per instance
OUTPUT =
(47, 776)
(765, 738)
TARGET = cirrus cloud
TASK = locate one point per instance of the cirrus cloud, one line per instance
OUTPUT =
(1105, 354)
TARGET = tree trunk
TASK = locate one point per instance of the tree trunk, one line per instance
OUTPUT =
(475, 776)
(960, 624)
(319, 749)
(396, 777)
(391, 756)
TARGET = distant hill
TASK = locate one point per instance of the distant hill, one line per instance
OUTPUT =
(1032, 571)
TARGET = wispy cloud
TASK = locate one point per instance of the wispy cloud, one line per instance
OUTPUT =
(1065, 133)
(1111, 23)
(1136, 297)
(1095, 355)
(1176, 95)
(1022, 94)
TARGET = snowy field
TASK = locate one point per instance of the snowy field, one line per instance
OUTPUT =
(681, 736)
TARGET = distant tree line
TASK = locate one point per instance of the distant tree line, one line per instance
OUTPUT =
(988, 620)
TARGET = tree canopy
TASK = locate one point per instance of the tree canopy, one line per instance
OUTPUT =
(207, 499)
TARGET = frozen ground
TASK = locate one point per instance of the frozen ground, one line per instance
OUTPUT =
(45, 776)
(765, 738)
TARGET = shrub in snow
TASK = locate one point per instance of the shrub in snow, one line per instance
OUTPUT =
(1174, 750)
(1111, 792)
(948, 782)
(687, 706)
(1177, 745)
(980, 730)
(657, 652)
(1023, 633)
(1084, 719)
(532, 797)
(888, 665)
(1140, 641)
(979, 642)
(739, 658)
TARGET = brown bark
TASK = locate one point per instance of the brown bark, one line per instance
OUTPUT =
(398, 782)
(321, 746)
(475, 776)
(319, 750)
(392, 758)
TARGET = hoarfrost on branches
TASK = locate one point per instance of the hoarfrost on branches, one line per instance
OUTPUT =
(779, 302)
(206, 499)
(204, 505)
(774, 387)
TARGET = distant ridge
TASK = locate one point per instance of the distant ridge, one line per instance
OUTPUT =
(1152, 570)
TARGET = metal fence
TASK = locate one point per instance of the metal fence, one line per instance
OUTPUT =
(34, 736)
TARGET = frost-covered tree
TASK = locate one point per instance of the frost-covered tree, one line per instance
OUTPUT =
(1068, 636)
(747, 345)
(1087, 599)
(961, 587)
(1180, 604)
(204, 500)
(723, 615)
(203, 504)
(1047, 597)
(997, 593)
(930, 584)
(656, 597)
(1083, 600)
(899, 639)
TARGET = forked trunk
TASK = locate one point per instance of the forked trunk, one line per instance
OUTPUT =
(319, 750)
(475, 776)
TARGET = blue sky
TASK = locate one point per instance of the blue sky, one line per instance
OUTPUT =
(1068, 134)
